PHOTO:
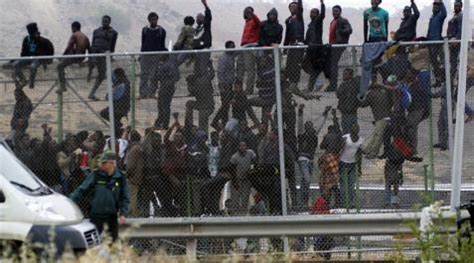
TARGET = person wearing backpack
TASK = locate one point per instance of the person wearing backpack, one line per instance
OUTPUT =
(110, 196)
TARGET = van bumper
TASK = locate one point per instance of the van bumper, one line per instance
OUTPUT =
(80, 236)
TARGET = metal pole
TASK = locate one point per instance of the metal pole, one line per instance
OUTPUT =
(133, 104)
(60, 117)
(108, 59)
(449, 101)
(459, 133)
(281, 144)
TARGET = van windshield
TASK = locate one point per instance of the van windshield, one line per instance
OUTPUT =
(15, 172)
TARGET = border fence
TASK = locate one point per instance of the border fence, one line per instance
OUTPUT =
(246, 132)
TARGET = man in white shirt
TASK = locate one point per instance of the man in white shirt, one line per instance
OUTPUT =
(348, 167)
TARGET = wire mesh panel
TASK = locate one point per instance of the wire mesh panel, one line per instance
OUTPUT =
(203, 134)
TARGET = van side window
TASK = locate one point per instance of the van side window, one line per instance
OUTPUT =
(2, 197)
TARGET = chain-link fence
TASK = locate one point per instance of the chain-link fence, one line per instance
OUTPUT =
(351, 129)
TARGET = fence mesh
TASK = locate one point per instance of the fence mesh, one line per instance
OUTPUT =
(197, 133)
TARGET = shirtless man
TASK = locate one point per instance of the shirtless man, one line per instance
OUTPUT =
(78, 44)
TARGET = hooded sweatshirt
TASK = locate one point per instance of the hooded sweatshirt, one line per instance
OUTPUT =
(271, 32)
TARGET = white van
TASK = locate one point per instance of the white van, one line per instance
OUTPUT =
(31, 211)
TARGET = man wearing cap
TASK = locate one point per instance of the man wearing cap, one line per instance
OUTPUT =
(33, 45)
(407, 30)
(110, 196)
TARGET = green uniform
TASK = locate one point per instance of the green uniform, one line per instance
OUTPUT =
(110, 194)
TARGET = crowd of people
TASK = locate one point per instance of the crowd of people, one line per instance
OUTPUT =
(176, 169)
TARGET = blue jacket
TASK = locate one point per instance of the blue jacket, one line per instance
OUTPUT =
(435, 27)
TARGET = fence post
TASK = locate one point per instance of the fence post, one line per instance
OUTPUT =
(456, 172)
(449, 101)
(60, 117)
(133, 102)
(281, 144)
(354, 59)
(108, 59)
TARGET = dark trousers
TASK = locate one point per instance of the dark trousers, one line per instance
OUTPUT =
(226, 97)
(165, 96)
(112, 224)
(62, 66)
(98, 62)
(19, 77)
(117, 120)
(266, 181)
(454, 51)
(336, 54)
(293, 65)
(436, 58)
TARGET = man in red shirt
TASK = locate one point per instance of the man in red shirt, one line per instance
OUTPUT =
(247, 60)
(340, 31)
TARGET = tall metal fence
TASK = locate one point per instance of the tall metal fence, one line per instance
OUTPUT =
(260, 131)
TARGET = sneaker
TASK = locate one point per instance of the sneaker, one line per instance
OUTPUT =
(93, 98)
(32, 85)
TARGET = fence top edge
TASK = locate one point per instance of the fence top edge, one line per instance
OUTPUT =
(128, 54)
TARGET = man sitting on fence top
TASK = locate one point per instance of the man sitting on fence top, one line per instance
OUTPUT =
(78, 44)
(33, 45)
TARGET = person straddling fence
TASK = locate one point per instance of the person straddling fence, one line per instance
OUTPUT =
(33, 45)
(110, 196)
(78, 44)
(104, 40)
(153, 40)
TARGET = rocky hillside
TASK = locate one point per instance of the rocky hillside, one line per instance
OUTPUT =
(129, 16)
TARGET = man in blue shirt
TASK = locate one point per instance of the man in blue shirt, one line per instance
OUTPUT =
(375, 23)
(435, 28)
